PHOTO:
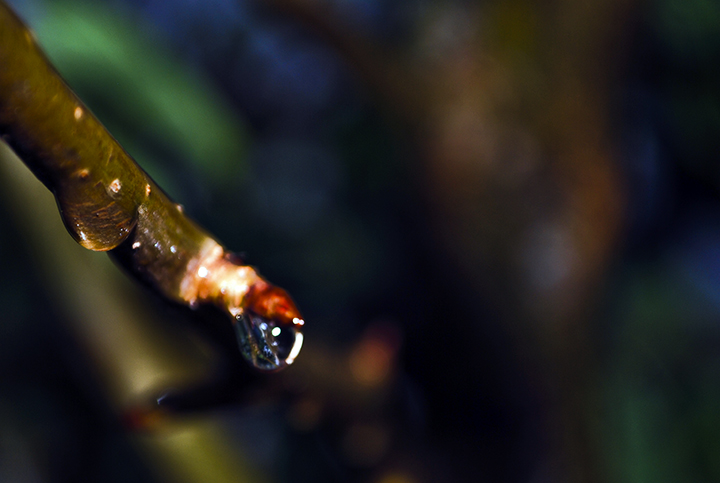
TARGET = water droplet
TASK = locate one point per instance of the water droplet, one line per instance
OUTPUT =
(266, 343)
(115, 186)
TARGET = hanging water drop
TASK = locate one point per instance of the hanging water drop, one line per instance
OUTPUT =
(268, 327)
(267, 343)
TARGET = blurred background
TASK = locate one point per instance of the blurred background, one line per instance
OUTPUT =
(500, 219)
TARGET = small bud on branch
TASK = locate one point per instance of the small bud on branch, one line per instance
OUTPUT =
(108, 203)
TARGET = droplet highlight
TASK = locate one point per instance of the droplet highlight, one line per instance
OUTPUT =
(266, 343)
(115, 186)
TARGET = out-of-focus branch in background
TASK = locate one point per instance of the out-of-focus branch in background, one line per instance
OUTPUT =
(509, 104)
(136, 357)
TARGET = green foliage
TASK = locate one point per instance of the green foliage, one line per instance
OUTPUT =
(661, 384)
(129, 78)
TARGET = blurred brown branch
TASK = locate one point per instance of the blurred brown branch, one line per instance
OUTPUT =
(508, 102)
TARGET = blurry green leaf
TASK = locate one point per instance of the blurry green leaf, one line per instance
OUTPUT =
(660, 414)
(141, 82)
(689, 28)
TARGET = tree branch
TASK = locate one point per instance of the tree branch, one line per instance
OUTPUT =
(108, 203)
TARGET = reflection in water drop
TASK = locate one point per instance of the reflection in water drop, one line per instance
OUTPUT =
(265, 343)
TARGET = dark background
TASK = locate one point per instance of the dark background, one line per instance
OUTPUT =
(499, 218)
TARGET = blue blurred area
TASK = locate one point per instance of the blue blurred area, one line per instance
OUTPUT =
(434, 238)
